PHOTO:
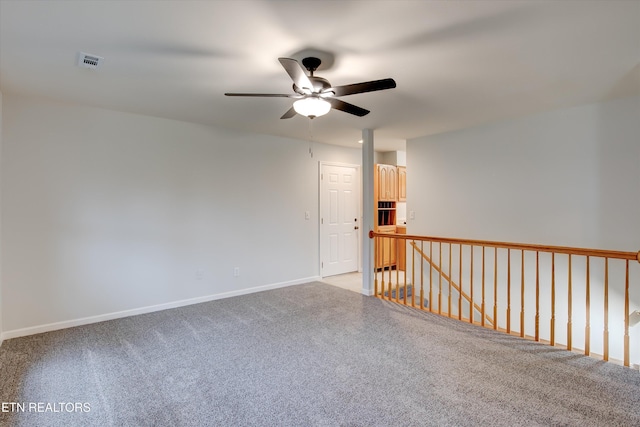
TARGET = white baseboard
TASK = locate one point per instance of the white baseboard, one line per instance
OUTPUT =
(149, 309)
(366, 292)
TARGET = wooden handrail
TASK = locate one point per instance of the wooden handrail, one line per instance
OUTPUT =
(451, 282)
(631, 256)
(565, 285)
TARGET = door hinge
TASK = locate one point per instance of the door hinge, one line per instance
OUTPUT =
(322, 265)
(321, 220)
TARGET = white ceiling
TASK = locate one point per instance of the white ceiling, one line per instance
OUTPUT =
(456, 63)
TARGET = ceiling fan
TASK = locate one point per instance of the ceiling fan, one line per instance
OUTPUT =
(315, 95)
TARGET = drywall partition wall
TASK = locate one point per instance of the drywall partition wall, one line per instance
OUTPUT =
(1, 336)
(107, 212)
(567, 177)
(396, 158)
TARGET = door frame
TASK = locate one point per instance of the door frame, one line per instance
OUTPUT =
(358, 168)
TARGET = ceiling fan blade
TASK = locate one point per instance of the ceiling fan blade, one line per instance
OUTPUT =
(347, 108)
(363, 87)
(296, 72)
(268, 95)
(290, 113)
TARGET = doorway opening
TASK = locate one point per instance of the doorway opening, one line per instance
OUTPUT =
(340, 219)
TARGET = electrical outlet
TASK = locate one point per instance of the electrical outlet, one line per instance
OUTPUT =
(236, 272)
(307, 215)
(634, 318)
(412, 214)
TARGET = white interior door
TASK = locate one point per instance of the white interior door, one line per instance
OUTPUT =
(339, 219)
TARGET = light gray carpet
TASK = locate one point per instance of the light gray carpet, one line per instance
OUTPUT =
(308, 355)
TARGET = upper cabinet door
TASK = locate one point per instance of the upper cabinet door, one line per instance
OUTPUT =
(402, 184)
(393, 183)
(383, 182)
(387, 182)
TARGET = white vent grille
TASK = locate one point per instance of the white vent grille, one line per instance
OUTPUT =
(86, 60)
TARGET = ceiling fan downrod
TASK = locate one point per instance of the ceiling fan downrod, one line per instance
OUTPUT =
(311, 64)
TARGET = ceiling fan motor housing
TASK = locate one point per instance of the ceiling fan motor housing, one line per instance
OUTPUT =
(319, 84)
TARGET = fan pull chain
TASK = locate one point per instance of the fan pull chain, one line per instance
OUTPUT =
(311, 138)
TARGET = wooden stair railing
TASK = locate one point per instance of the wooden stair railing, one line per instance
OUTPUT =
(562, 274)
(453, 284)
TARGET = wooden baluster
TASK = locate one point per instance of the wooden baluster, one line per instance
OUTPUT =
(537, 336)
(552, 324)
(430, 278)
(522, 295)
(460, 280)
(389, 283)
(482, 306)
(381, 267)
(380, 273)
(397, 269)
(413, 272)
(569, 308)
(587, 328)
(449, 296)
(508, 291)
(422, 279)
(495, 287)
(376, 244)
(605, 351)
(440, 279)
(626, 315)
(470, 288)
(404, 272)
(384, 289)
(404, 282)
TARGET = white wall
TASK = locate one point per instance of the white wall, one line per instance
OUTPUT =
(569, 177)
(1, 335)
(396, 158)
(105, 212)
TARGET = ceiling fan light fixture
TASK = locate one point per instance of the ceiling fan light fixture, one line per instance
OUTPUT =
(316, 96)
(312, 107)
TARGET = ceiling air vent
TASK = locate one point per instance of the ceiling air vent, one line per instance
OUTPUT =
(86, 60)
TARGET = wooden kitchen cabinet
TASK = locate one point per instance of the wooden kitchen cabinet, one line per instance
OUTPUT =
(386, 186)
(402, 184)
(387, 183)
(387, 251)
(383, 183)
